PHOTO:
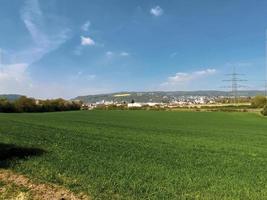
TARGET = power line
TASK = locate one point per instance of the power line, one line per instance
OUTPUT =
(235, 83)
(265, 76)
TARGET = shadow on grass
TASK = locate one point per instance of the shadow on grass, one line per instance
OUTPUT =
(9, 154)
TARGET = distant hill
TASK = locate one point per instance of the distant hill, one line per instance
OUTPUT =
(10, 97)
(159, 96)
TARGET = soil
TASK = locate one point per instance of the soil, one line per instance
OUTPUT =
(37, 191)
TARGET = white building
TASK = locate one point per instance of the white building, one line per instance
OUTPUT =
(134, 105)
(152, 104)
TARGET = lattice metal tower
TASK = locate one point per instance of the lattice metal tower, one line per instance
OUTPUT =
(265, 75)
(235, 84)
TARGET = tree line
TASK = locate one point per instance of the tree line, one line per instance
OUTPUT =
(260, 102)
(25, 104)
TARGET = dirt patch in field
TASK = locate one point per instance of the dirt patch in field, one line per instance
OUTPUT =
(33, 190)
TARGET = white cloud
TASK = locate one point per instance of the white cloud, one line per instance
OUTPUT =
(68, 90)
(87, 41)
(124, 53)
(81, 76)
(109, 54)
(46, 37)
(85, 27)
(181, 78)
(14, 72)
(32, 15)
(84, 40)
(156, 11)
(15, 78)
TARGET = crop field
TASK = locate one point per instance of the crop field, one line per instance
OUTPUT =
(141, 154)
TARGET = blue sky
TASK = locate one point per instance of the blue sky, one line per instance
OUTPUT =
(65, 48)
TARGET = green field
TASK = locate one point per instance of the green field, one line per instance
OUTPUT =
(143, 154)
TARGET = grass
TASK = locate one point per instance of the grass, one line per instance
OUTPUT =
(144, 154)
(10, 191)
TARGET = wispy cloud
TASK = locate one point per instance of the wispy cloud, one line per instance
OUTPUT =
(181, 78)
(156, 11)
(124, 53)
(109, 54)
(87, 41)
(32, 17)
(81, 76)
(85, 27)
(14, 78)
(44, 39)
(15, 72)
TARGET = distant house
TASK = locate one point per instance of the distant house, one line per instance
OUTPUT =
(37, 101)
(134, 105)
(152, 104)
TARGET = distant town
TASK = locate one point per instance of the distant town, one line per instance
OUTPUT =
(140, 100)
(166, 99)
(179, 101)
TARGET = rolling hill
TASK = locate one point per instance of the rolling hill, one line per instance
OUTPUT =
(158, 96)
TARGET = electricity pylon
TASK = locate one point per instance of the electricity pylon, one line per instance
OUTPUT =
(235, 80)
